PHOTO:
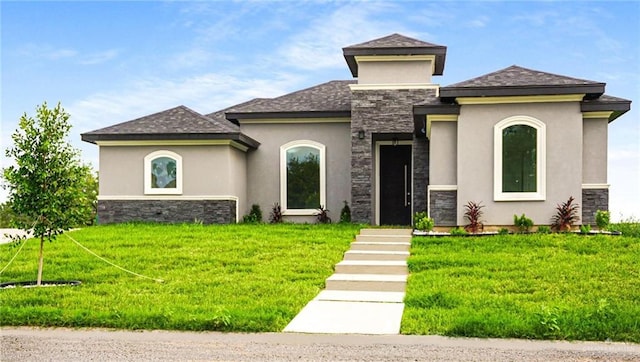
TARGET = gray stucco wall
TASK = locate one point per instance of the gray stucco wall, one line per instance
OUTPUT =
(594, 156)
(238, 178)
(394, 72)
(207, 170)
(475, 159)
(443, 145)
(217, 171)
(380, 112)
(263, 164)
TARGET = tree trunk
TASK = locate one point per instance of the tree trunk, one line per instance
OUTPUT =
(40, 262)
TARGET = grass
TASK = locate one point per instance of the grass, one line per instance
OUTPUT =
(558, 286)
(251, 278)
(227, 278)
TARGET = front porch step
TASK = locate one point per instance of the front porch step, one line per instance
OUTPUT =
(380, 246)
(375, 255)
(360, 296)
(386, 232)
(385, 238)
(367, 282)
(372, 267)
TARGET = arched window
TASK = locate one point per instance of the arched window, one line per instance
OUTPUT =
(302, 177)
(519, 159)
(163, 173)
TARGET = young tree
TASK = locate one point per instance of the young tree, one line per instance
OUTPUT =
(47, 182)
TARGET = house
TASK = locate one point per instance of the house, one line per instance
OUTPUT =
(391, 142)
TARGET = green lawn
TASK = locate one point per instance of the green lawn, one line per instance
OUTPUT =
(257, 277)
(229, 278)
(558, 286)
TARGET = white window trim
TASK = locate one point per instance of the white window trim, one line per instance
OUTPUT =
(541, 166)
(283, 176)
(148, 190)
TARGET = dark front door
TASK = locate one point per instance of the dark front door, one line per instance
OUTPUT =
(395, 184)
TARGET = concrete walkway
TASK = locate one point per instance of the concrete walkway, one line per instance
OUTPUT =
(366, 293)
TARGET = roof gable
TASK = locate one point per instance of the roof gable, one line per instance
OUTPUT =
(395, 44)
(517, 81)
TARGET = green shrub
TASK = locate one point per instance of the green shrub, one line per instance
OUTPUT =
(523, 223)
(585, 229)
(602, 219)
(345, 213)
(254, 216)
(457, 231)
(544, 229)
(422, 222)
(503, 231)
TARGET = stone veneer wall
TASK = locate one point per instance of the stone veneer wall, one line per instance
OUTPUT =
(442, 207)
(420, 173)
(167, 211)
(592, 201)
(384, 111)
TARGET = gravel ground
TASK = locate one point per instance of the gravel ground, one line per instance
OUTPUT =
(34, 344)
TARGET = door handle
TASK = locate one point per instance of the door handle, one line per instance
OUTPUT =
(405, 185)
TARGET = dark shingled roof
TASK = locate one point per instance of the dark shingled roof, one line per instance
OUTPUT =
(515, 80)
(393, 41)
(395, 44)
(175, 123)
(324, 100)
(220, 116)
(618, 106)
(434, 105)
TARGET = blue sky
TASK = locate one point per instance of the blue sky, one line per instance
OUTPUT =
(109, 62)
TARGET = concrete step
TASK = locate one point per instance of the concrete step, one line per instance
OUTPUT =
(375, 255)
(367, 282)
(386, 232)
(384, 238)
(372, 267)
(360, 296)
(380, 246)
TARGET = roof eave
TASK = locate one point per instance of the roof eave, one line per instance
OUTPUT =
(421, 110)
(617, 107)
(232, 136)
(592, 90)
(275, 115)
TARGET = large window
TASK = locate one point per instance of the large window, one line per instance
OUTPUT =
(519, 159)
(163, 173)
(302, 176)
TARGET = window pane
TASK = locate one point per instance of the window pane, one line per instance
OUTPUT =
(519, 159)
(303, 178)
(163, 173)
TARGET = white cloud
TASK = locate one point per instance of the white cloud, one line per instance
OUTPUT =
(55, 54)
(99, 57)
(320, 45)
(479, 22)
(204, 93)
(51, 53)
(537, 18)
